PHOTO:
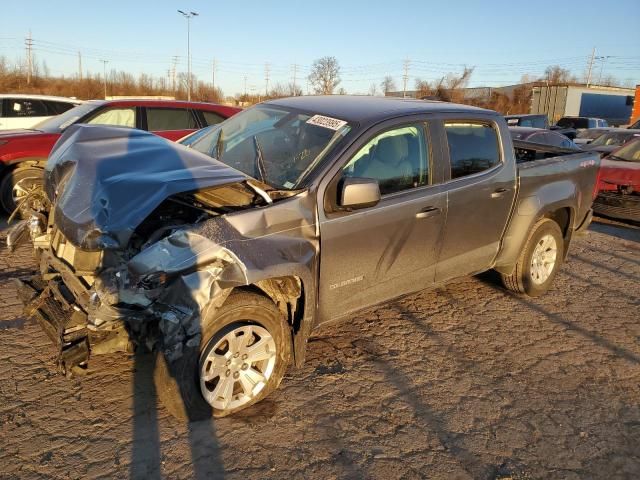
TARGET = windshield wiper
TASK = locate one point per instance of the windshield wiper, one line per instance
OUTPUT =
(259, 160)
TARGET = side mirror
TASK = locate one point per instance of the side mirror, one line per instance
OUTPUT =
(358, 193)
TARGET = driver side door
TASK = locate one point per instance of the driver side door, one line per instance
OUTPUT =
(373, 254)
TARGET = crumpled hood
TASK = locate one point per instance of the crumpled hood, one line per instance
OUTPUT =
(104, 181)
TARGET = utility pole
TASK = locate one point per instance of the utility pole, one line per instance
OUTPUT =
(295, 71)
(79, 65)
(602, 60)
(29, 44)
(405, 77)
(213, 75)
(188, 16)
(173, 74)
(104, 76)
(267, 70)
(593, 56)
(245, 88)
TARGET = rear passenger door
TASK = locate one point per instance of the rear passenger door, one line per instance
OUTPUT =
(170, 123)
(480, 192)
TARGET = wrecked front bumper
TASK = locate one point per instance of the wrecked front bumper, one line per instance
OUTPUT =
(64, 323)
(59, 302)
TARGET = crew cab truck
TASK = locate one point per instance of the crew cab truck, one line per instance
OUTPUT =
(224, 257)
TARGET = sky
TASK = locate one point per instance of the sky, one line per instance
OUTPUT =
(502, 39)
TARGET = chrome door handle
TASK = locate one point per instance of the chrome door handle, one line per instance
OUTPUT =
(427, 212)
(499, 192)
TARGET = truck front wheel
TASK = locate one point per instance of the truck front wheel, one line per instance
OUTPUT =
(539, 261)
(243, 355)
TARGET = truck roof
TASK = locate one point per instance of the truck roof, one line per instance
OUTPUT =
(366, 108)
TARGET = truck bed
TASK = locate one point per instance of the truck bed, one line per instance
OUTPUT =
(548, 172)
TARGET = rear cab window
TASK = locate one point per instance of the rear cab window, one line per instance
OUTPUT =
(163, 119)
(474, 147)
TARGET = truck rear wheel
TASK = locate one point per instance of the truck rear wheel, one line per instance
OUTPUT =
(539, 261)
(243, 355)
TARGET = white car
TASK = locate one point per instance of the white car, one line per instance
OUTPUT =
(25, 111)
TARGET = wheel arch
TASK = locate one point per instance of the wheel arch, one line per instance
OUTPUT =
(519, 231)
(288, 293)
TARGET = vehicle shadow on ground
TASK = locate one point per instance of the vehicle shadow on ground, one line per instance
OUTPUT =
(624, 231)
(452, 444)
(146, 453)
(492, 280)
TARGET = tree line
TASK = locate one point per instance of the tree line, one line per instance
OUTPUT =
(324, 78)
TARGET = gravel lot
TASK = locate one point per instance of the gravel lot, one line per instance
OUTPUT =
(467, 381)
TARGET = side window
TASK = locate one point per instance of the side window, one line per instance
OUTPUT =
(473, 147)
(397, 158)
(526, 122)
(212, 118)
(159, 119)
(19, 108)
(123, 117)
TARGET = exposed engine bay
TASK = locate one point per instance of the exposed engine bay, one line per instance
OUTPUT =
(120, 285)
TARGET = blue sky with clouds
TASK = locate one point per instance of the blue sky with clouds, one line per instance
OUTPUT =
(502, 39)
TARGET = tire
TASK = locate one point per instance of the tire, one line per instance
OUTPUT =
(178, 383)
(31, 175)
(525, 277)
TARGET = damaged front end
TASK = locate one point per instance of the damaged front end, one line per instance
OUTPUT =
(140, 244)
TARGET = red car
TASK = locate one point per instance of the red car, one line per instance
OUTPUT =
(23, 153)
(619, 184)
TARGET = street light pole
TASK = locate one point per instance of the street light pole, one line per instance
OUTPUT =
(188, 17)
(104, 76)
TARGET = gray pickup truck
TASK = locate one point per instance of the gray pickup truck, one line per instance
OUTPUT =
(223, 257)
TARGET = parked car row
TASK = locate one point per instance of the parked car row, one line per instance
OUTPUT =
(23, 153)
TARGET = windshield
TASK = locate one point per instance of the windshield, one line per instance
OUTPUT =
(613, 138)
(272, 144)
(60, 122)
(629, 153)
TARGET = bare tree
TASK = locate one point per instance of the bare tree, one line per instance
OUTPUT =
(450, 87)
(342, 91)
(423, 88)
(325, 75)
(373, 89)
(279, 90)
(555, 75)
(388, 85)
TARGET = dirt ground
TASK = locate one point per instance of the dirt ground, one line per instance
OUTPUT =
(466, 381)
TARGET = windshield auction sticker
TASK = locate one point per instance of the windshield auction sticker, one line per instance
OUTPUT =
(327, 122)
